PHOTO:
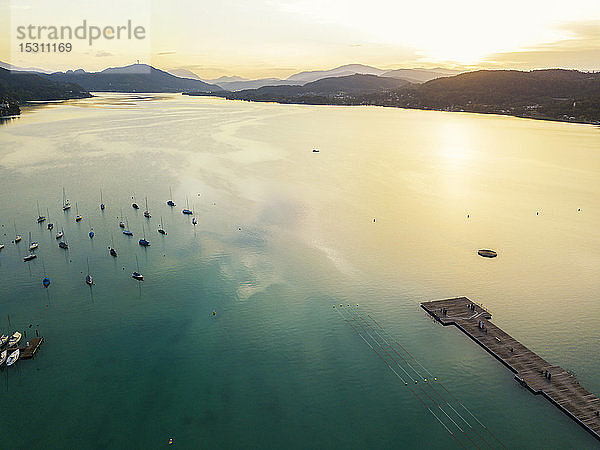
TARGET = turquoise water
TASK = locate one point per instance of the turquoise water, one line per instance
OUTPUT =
(283, 234)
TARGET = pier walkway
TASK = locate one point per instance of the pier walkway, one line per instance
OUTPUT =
(532, 371)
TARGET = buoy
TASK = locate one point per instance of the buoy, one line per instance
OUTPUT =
(537, 213)
(214, 313)
(415, 381)
(468, 216)
(373, 220)
(435, 379)
(425, 380)
(170, 441)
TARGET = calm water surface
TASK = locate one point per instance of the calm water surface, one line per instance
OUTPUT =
(377, 218)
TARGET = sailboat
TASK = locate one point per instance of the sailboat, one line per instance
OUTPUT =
(137, 275)
(147, 213)
(101, 202)
(12, 358)
(45, 280)
(17, 236)
(50, 224)
(3, 339)
(112, 250)
(121, 223)
(88, 277)
(14, 339)
(143, 242)
(187, 210)
(60, 234)
(78, 217)
(160, 227)
(40, 218)
(170, 202)
(66, 205)
(134, 205)
(32, 245)
(126, 231)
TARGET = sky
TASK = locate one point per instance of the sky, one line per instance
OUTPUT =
(276, 38)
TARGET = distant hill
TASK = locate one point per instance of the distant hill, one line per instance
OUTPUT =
(252, 84)
(132, 78)
(348, 69)
(552, 94)
(419, 75)
(17, 88)
(323, 91)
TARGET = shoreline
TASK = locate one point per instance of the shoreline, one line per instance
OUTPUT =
(494, 113)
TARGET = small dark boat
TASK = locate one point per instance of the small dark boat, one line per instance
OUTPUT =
(121, 224)
(161, 230)
(144, 243)
(91, 234)
(135, 206)
(486, 253)
(315, 150)
(113, 252)
(60, 234)
(170, 202)
(101, 203)
(46, 282)
(40, 218)
(127, 233)
(194, 221)
(50, 225)
(147, 212)
(63, 245)
(187, 209)
(88, 278)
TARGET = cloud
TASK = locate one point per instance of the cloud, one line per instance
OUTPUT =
(579, 49)
(102, 53)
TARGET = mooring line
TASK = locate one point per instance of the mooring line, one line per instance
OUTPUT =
(400, 377)
(440, 383)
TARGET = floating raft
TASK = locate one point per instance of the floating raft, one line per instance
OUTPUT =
(531, 371)
(29, 351)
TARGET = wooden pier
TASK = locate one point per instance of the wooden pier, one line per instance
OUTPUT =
(531, 371)
(29, 351)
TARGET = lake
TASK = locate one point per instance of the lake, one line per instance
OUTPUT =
(389, 213)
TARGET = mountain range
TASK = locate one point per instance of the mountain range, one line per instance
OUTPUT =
(553, 94)
(238, 83)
